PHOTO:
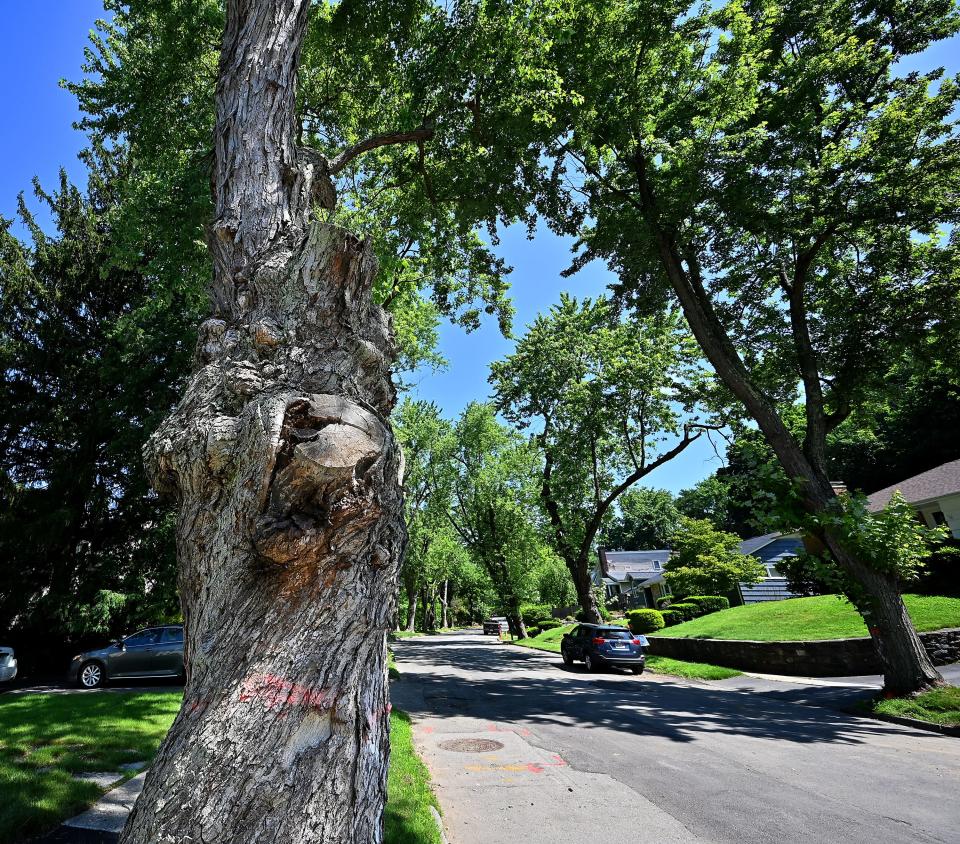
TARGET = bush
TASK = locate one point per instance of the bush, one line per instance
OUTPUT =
(533, 613)
(664, 602)
(645, 621)
(689, 611)
(549, 624)
(604, 614)
(672, 616)
(709, 603)
(533, 631)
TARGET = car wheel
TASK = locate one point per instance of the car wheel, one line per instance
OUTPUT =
(637, 670)
(91, 675)
(591, 663)
(567, 659)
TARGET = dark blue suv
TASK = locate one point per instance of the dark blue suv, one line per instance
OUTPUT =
(598, 645)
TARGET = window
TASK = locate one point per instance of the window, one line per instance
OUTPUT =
(772, 571)
(656, 565)
(144, 637)
(938, 517)
(173, 634)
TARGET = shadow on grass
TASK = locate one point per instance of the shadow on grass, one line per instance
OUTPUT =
(46, 738)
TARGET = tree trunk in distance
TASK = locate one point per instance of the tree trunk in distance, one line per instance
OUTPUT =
(412, 609)
(290, 530)
(444, 605)
(586, 597)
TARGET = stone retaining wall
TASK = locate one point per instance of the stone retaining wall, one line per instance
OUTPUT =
(827, 658)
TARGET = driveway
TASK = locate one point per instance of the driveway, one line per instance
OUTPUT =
(617, 758)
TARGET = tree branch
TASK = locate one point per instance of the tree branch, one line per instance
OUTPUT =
(340, 161)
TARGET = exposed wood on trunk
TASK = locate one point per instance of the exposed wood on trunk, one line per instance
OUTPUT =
(286, 472)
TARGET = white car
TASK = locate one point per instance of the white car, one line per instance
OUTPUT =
(8, 664)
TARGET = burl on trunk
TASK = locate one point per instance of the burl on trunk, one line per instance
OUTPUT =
(286, 473)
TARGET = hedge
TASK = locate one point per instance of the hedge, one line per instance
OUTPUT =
(689, 610)
(533, 631)
(645, 621)
(533, 613)
(664, 602)
(549, 624)
(709, 603)
(672, 616)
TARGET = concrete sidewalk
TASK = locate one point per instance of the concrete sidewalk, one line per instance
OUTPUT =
(102, 822)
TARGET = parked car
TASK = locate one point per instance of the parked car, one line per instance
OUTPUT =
(8, 665)
(599, 645)
(496, 625)
(154, 652)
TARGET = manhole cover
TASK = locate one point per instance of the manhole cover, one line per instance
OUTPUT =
(472, 745)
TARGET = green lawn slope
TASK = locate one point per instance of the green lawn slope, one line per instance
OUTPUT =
(809, 619)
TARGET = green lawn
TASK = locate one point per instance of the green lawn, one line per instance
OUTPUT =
(807, 619)
(549, 641)
(941, 706)
(46, 737)
(408, 819)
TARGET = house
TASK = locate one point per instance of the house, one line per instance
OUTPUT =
(769, 550)
(934, 494)
(632, 578)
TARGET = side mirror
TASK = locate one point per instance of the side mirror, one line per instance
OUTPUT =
(566, 635)
(119, 645)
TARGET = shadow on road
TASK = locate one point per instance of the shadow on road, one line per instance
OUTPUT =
(636, 705)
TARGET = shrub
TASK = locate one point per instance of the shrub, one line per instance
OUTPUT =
(664, 602)
(709, 603)
(645, 621)
(533, 631)
(604, 613)
(672, 616)
(534, 613)
(689, 611)
(550, 624)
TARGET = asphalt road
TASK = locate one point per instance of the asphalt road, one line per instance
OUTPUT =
(614, 758)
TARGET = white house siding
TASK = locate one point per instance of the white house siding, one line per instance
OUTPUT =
(949, 505)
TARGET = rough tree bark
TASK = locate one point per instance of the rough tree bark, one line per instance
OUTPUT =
(286, 473)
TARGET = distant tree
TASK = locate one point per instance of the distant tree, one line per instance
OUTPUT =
(607, 403)
(707, 499)
(494, 485)
(90, 365)
(706, 561)
(644, 519)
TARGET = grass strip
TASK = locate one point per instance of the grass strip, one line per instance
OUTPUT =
(46, 738)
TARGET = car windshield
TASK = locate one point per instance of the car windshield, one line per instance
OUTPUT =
(618, 633)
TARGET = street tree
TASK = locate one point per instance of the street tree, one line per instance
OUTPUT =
(608, 403)
(286, 475)
(769, 166)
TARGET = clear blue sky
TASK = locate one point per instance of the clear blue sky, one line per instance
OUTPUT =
(42, 42)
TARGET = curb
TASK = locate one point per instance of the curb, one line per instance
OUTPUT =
(928, 726)
(436, 817)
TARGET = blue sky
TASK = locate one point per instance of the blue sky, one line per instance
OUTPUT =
(43, 41)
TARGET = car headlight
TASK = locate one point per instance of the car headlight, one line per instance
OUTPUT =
(78, 656)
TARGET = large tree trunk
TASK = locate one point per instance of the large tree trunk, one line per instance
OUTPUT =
(290, 528)
(586, 597)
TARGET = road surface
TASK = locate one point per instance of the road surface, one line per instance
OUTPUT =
(618, 759)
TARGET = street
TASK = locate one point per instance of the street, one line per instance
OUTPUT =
(614, 758)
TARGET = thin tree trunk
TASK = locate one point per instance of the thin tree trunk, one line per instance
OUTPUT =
(412, 608)
(290, 530)
(443, 604)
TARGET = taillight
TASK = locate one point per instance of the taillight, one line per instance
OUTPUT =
(637, 642)
(599, 640)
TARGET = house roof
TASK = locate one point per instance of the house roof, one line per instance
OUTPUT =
(755, 543)
(633, 560)
(935, 483)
